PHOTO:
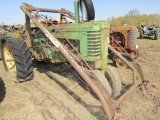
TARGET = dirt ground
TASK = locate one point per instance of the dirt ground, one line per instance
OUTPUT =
(56, 94)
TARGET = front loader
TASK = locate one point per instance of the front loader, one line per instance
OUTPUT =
(83, 43)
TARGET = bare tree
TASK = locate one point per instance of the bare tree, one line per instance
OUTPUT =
(134, 12)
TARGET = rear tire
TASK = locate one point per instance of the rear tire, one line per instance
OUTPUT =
(141, 35)
(90, 9)
(17, 58)
(156, 35)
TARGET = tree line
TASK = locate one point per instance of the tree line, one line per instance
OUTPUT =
(134, 18)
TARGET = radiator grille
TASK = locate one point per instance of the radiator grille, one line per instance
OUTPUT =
(93, 43)
(132, 38)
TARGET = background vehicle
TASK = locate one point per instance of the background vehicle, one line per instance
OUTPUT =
(151, 32)
(83, 44)
(124, 40)
(125, 36)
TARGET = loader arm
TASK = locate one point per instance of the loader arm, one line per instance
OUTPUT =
(105, 101)
(93, 49)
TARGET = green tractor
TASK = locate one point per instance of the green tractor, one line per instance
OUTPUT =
(83, 43)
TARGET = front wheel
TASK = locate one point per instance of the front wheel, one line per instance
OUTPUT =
(135, 54)
(156, 35)
(119, 63)
(114, 80)
(17, 58)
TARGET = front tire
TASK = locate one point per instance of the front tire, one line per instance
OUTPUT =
(156, 35)
(135, 54)
(114, 80)
(119, 63)
(17, 58)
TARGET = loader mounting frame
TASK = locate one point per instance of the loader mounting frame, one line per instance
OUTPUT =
(111, 107)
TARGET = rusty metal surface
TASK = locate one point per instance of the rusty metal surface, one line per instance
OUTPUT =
(62, 11)
(117, 42)
(138, 78)
(126, 36)
(123, 28)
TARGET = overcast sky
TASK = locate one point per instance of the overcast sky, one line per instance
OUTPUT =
(10, 11)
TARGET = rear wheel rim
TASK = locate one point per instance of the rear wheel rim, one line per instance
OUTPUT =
(9, 60)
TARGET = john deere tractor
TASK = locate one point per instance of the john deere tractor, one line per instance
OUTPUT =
(80, 41)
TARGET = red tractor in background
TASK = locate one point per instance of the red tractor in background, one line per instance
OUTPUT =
(124, 40)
